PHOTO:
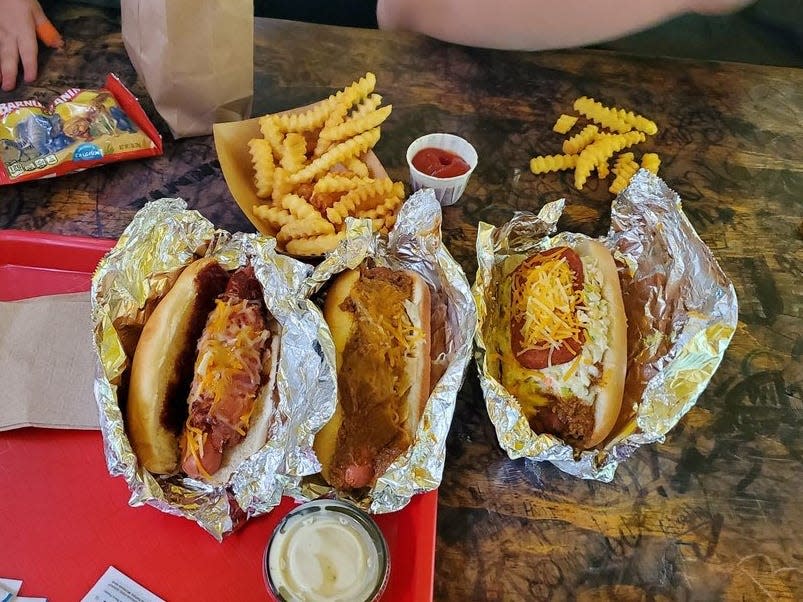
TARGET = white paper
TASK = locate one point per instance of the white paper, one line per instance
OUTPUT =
(114, 586)
(9, 588)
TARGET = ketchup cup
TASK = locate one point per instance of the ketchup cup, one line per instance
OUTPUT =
(447, 189)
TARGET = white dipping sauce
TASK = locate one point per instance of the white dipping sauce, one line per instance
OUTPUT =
(324, 554)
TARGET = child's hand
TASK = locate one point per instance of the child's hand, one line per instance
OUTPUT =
(18, 29)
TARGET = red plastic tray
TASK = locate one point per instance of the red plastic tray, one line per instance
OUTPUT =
(64, 520)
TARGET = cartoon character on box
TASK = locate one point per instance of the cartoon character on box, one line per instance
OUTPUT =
(122, 121)
(89, 114)
(78, 128)
(100, 119)
(42, 132)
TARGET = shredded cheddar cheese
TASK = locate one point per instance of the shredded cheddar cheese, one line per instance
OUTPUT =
(548, 302)
(227, 372)
(577, 378)
(573, 368)
(196, 438)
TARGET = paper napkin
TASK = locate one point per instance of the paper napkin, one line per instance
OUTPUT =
(47, 362)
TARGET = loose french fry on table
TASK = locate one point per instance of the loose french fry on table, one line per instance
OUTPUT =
(606, 132)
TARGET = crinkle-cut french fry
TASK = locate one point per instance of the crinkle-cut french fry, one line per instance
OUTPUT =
(333, 182)
(579, 141)
(339, 153)
(642, 124)
(614, 118)
(390, 220)
(262, 160)
(390, 205)
(367, 196)
(276, 217)
(601, 150)
(564, 124)
(311, 119)
(547, 163)
(624, 169)
(398, 191)
(271, 132)
(366, 106)
(358, 167)
(304, 228)
(357, 91)
(339, 106)
(336, 117)
(651, 162)
(381, 223)
(385, 208)
(298, 207)
(603, 170)
(599, 113)
(345, 207)
(356, 125)
(317, 245)
(344, 99)
(323, 200)
(281, 184)
(622, 159)
(294, 151)
(593, 147)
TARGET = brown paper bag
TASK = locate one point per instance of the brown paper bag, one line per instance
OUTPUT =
(196, 59)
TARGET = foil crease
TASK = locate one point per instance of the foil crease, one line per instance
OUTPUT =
(162, 238)
(414, 243)
(681, 308)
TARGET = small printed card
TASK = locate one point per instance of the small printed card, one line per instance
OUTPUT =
(9, 589)
(114, 586)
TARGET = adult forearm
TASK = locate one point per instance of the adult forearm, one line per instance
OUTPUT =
(535, 24)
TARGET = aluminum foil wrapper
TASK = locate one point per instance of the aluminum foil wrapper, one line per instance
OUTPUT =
(681, 310)
(414, 243)
(162, 238)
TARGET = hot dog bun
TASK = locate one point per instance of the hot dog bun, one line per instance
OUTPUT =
(614, 362)
(561, 337)
(162, 366)
(380, 324)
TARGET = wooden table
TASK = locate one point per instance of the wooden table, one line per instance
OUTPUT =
(712, 513)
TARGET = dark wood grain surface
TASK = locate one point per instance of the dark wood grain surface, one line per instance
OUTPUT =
(712, 513)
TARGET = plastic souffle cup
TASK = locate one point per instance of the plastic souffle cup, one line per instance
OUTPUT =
(447, 190)
(327, 550)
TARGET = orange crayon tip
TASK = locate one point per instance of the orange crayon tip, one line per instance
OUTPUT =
(49, 35)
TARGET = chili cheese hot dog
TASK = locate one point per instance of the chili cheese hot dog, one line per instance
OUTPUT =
(381, 326)
(202, 375)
